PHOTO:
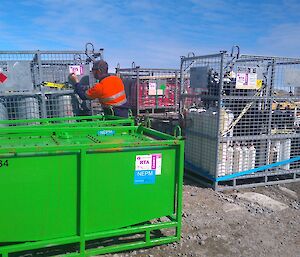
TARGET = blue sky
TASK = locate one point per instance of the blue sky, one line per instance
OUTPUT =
(152, 33)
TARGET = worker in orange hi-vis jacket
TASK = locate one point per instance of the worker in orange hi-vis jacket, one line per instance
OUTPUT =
(109, 89)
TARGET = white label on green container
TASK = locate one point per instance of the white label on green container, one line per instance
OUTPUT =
(149, 162)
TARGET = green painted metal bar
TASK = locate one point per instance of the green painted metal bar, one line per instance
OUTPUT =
(37, 245)
(130, 246)
(155, 133)
(180, 188)
(65, 145)
(106, 234)
(82, 217)
(102, 123)
(92, 145)
(61, 119)
(96, 124)
(37, 131)
(131, 230)
(32, 151)
(53, 123)
(147, 235)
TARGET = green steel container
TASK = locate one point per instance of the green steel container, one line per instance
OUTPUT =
(80, 121)
(63, 185)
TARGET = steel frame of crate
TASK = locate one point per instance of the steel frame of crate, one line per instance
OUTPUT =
(82, 239)
(151, 73)
(262, 115)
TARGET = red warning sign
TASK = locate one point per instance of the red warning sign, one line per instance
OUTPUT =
(2, 77)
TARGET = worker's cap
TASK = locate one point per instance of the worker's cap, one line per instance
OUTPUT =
(100, 65)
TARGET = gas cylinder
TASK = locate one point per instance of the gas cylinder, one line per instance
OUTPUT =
(245, 161)
(237, 158)
(252, 156)
(229, 161)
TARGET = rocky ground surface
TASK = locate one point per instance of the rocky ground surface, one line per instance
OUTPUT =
(262, 221)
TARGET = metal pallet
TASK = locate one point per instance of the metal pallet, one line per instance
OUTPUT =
(245, 181)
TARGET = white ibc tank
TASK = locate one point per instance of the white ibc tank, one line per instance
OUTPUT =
(64, 106)
(28, 108)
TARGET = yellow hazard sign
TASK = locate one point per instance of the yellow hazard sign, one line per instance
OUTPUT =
(258, 83)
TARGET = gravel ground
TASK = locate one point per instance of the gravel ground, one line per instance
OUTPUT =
(228, 224)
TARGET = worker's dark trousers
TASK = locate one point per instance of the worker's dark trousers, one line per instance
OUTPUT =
(121, 111)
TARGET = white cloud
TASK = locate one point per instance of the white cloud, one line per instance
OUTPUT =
(155, 33)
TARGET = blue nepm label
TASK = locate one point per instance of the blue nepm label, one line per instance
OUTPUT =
(106, 132)
(144, 177)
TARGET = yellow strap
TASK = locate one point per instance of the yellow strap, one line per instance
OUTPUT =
(51, 84)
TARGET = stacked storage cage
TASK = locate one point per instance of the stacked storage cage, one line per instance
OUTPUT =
(55, 67)
(153, 94)
(18, 94)
(27, 75)
(242, 119)
(150, 90)
(89, 189)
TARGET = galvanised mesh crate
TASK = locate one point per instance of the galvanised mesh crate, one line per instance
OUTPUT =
(242, 118)
(150, 90)
(34, 105)
(34, 84)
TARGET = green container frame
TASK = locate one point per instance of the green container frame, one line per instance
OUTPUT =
(79, 121)
(82, 239)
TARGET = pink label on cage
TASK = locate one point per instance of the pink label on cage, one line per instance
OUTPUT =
(76, 69)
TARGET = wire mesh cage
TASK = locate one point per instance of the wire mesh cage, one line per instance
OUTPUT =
(21, 107)
(34, 84)
(16, 71)
(242, 118)
(56, 67)
(61, 105)
(150, 90)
